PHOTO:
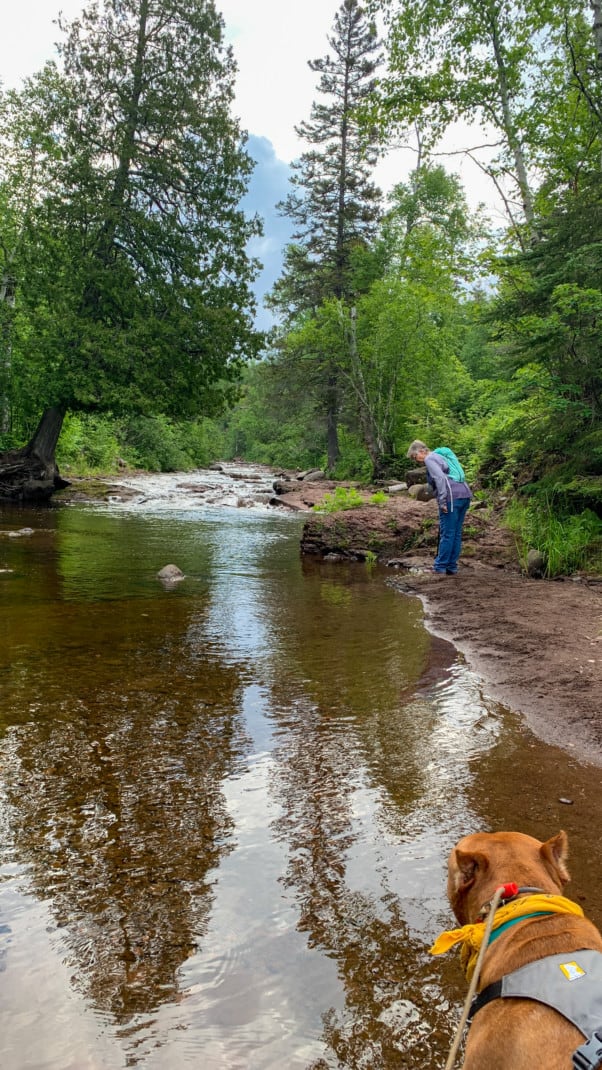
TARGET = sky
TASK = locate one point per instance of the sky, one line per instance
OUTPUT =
(272, 42)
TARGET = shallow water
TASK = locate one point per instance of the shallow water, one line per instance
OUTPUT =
(226, 806)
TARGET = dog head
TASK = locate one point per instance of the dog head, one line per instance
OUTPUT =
(479, 863)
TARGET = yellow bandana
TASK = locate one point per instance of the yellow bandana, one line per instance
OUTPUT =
(471, 936)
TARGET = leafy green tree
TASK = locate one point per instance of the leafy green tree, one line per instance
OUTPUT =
(29, 152)
(275, 420)
(403, 335)
(523, 72)
(334, 204)
(135, 292)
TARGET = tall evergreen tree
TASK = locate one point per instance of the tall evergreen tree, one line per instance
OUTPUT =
(334, 204)
(137, 294)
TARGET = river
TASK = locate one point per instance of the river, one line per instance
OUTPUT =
(226, 804)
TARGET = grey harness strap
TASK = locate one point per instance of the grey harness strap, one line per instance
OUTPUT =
(571, 985)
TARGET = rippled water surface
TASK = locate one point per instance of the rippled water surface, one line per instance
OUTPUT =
(226, 806)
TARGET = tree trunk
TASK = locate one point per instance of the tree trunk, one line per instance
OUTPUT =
(31, 474)
(509, 128)
(332, 420)
(597, 10)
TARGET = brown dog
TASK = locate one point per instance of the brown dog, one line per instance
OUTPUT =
(517, 1034)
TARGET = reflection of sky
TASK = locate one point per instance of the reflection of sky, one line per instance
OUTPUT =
(236, 618)
(406, 851)
(41, 979)
(236, 984)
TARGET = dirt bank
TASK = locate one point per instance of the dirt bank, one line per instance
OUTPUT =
(537, 644)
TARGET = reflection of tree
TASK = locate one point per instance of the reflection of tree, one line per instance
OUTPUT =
(116, 808)
(395, 1011)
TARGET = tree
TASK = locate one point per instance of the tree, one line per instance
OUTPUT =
(516, 69)
(403, 336)
(28, 156)
(550, 310)
(135, 283)
(334, 205)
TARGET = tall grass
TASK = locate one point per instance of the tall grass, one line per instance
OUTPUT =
(569, 543)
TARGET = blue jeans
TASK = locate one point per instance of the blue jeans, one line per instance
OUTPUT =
(450, 536)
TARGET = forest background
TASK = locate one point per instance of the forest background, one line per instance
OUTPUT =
(126, 283)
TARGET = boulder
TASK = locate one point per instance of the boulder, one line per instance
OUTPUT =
(415, 475)
(412, 564)
(170, 574)
(284, 504)
(421, 492)
(312, 475)
(536, 564)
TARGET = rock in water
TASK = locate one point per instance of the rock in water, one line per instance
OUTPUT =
(171, 573)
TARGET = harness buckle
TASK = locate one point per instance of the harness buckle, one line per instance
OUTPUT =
(589, 1055)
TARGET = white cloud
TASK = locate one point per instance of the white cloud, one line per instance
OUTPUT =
(28, 36)
(272, 42)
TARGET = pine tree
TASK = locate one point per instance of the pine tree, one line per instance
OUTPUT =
(334, 205)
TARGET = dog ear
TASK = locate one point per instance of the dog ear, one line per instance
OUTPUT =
(463, 868)
(554, 853)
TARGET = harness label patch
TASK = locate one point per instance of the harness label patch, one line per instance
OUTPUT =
(571, 970)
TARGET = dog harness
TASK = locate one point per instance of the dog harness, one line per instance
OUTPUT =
(573, 987)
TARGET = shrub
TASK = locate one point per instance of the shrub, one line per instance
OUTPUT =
(379, 498)
(342, 498)
(88, 443)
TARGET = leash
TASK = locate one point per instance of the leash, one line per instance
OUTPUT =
(505, 891)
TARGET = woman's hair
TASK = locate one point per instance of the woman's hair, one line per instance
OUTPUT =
(416, 447)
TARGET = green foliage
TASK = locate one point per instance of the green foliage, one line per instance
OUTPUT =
(274, 421)
(91, 443)
(161, 445)
(569, 543)
(379, 498)
(354, 461)
(342, 498)
(525, 72)
(88, 444)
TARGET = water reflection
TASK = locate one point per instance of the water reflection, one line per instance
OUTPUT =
(359, 773)
(117, 810)
(225, 808)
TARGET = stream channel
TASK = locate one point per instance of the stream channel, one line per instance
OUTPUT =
(226, 805)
